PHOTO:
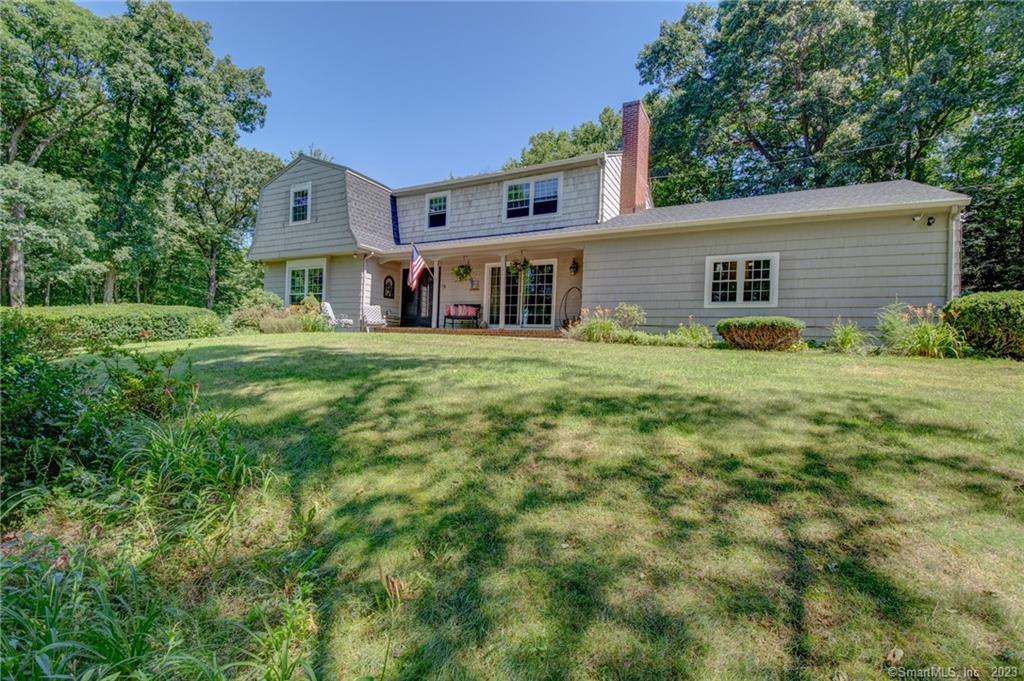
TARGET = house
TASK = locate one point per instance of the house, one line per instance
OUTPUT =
(587, 230)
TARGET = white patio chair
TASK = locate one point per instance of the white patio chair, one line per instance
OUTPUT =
(373, 317)
(336, 322)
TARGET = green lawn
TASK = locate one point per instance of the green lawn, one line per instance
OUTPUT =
(564, 510)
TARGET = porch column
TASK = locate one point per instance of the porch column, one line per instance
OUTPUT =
(501, 303)
(437, 293)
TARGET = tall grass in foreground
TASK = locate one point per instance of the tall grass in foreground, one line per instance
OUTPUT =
(126, 492)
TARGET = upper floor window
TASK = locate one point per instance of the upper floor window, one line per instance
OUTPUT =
(437, 210)
(544, 194)
(517, 200)
(741, 280)
(299, 203)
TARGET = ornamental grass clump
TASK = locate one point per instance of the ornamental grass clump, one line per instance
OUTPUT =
(760, 333)
(919, 332)
(596, 326)
(992, 323)
(693, 335)
(601, 325)
(846, 337)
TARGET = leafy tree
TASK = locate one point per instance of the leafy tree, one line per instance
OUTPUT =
(49, 70)
(171, 98)
(49, 215)
(216, 195)
(754, 97)
(586, 138)
(764, 90)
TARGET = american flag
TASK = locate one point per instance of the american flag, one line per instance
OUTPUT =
(417, 265)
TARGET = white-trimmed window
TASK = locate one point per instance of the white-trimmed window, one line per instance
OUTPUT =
(517, 200)
(299, 203)
(533, 196)
(437, 209)
(305, 278)
(750, 280)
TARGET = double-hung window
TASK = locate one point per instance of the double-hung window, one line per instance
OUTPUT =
(517, 200)
(535, 196)
(437, 209)
(305, 278)
(545, 196)
(299, 203)
(741, 280)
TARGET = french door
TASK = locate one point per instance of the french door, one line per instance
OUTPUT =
(529, 295)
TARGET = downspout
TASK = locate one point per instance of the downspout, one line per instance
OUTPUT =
(601, 189)
(362, 296)
(953, 249)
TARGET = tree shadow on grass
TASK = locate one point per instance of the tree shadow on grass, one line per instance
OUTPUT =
(469, 495)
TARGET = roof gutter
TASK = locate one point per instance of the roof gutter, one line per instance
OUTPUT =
(524, 171)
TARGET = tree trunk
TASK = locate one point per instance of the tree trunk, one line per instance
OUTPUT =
(138, 288)
(3, 277)
(16, 261)
(110, 283)
(90, 292)
(211, 278)
(46, 299)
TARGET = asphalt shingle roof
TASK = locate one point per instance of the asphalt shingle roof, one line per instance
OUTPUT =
(369, 212)
(866, 196)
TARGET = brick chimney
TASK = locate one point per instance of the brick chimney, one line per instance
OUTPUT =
(636, 147)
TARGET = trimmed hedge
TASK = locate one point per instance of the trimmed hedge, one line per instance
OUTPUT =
(77, 326)
(760, 333)
(992, 323)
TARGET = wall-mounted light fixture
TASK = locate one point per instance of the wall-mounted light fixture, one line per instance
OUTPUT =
(574, 267)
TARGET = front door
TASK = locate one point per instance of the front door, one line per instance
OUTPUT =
(418, 305)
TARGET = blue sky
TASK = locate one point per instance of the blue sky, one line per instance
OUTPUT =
(413, 92)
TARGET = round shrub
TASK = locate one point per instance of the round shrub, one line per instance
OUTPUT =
(249, 318)
(992, 323)
(204, 326)
(258, 297)
(760, 333)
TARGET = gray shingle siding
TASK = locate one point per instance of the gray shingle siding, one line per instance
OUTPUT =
(326, 232)
(827, 268)
(612, 181)
(477, 210)
(369, 211)
(273, 278)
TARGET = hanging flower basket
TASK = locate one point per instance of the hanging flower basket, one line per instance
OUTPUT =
(462, 272)
(517, 266)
